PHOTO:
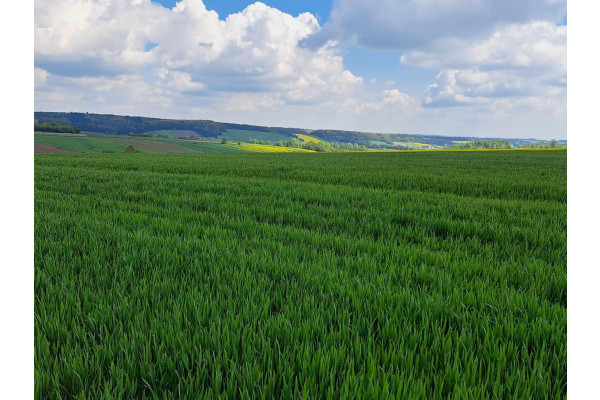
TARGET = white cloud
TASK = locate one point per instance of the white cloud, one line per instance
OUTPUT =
(254, 102)
(536, 45)
(252, 51)
(495, 94)
(390, 100)
(39, 77)
(101, 30)
(246, 66)
(178, 81)
(409, 24)
(120, 94)
(139, 58)
(519, 66)
(461, 87)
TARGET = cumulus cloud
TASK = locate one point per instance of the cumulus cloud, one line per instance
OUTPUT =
(264, 66)
(192, 49)
(499, 94)
(463, 87)
(110, 34)
(526, 63)
(129, 89)
(177, 81)
(391, 100)
(536, 45)
(254, 102)
(487, 51)
(407, 24)
(39, 77)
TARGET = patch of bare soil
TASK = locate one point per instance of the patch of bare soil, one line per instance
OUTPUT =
(40, 148)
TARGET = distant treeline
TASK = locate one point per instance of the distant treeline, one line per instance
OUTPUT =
(54, 127)
(483, 144)
(123, 125)
(244, 127)
(553, 144)
(320, 146)
(349, 136)
(389, 138)
(505, 144)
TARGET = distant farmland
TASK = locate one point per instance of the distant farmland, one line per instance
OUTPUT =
(273, 149)
(81, 144)
(416, 275)
(151, 145)
(245, 136)
(44, 148)
(308, 138)
(210, 147)
(109, 124)
(117, 144)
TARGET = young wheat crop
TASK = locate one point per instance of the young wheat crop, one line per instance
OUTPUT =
(373, 275)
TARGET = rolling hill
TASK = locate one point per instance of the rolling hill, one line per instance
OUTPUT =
(109, 124)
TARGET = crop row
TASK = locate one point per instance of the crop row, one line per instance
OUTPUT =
(296, 276)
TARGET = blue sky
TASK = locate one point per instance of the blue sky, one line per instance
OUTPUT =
(319, 8)
(383, 65)
(449, 67)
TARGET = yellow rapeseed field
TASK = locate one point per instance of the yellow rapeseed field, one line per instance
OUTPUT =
(264, 148)
(308, 139)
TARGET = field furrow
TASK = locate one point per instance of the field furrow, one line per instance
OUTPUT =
(301, 275)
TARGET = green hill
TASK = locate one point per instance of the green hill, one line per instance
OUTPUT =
(237, 135)
(124, 124)
(175, 128)
(81, 144)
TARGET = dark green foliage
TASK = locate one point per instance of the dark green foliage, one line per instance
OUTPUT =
(320, 146)
(129, 149)
(147, 135)
(553, 144)
(55, 127)
(431, 275)
(348, 136)
(329, 146)
(245, 135)
(290, 132)
(483, 144)
(388, 139)
(123, 125)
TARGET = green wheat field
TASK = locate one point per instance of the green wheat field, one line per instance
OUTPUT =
(425, 275)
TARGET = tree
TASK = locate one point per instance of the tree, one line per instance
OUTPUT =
(223, 140)
(129, 149)
(483, 144)
(55, 127)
